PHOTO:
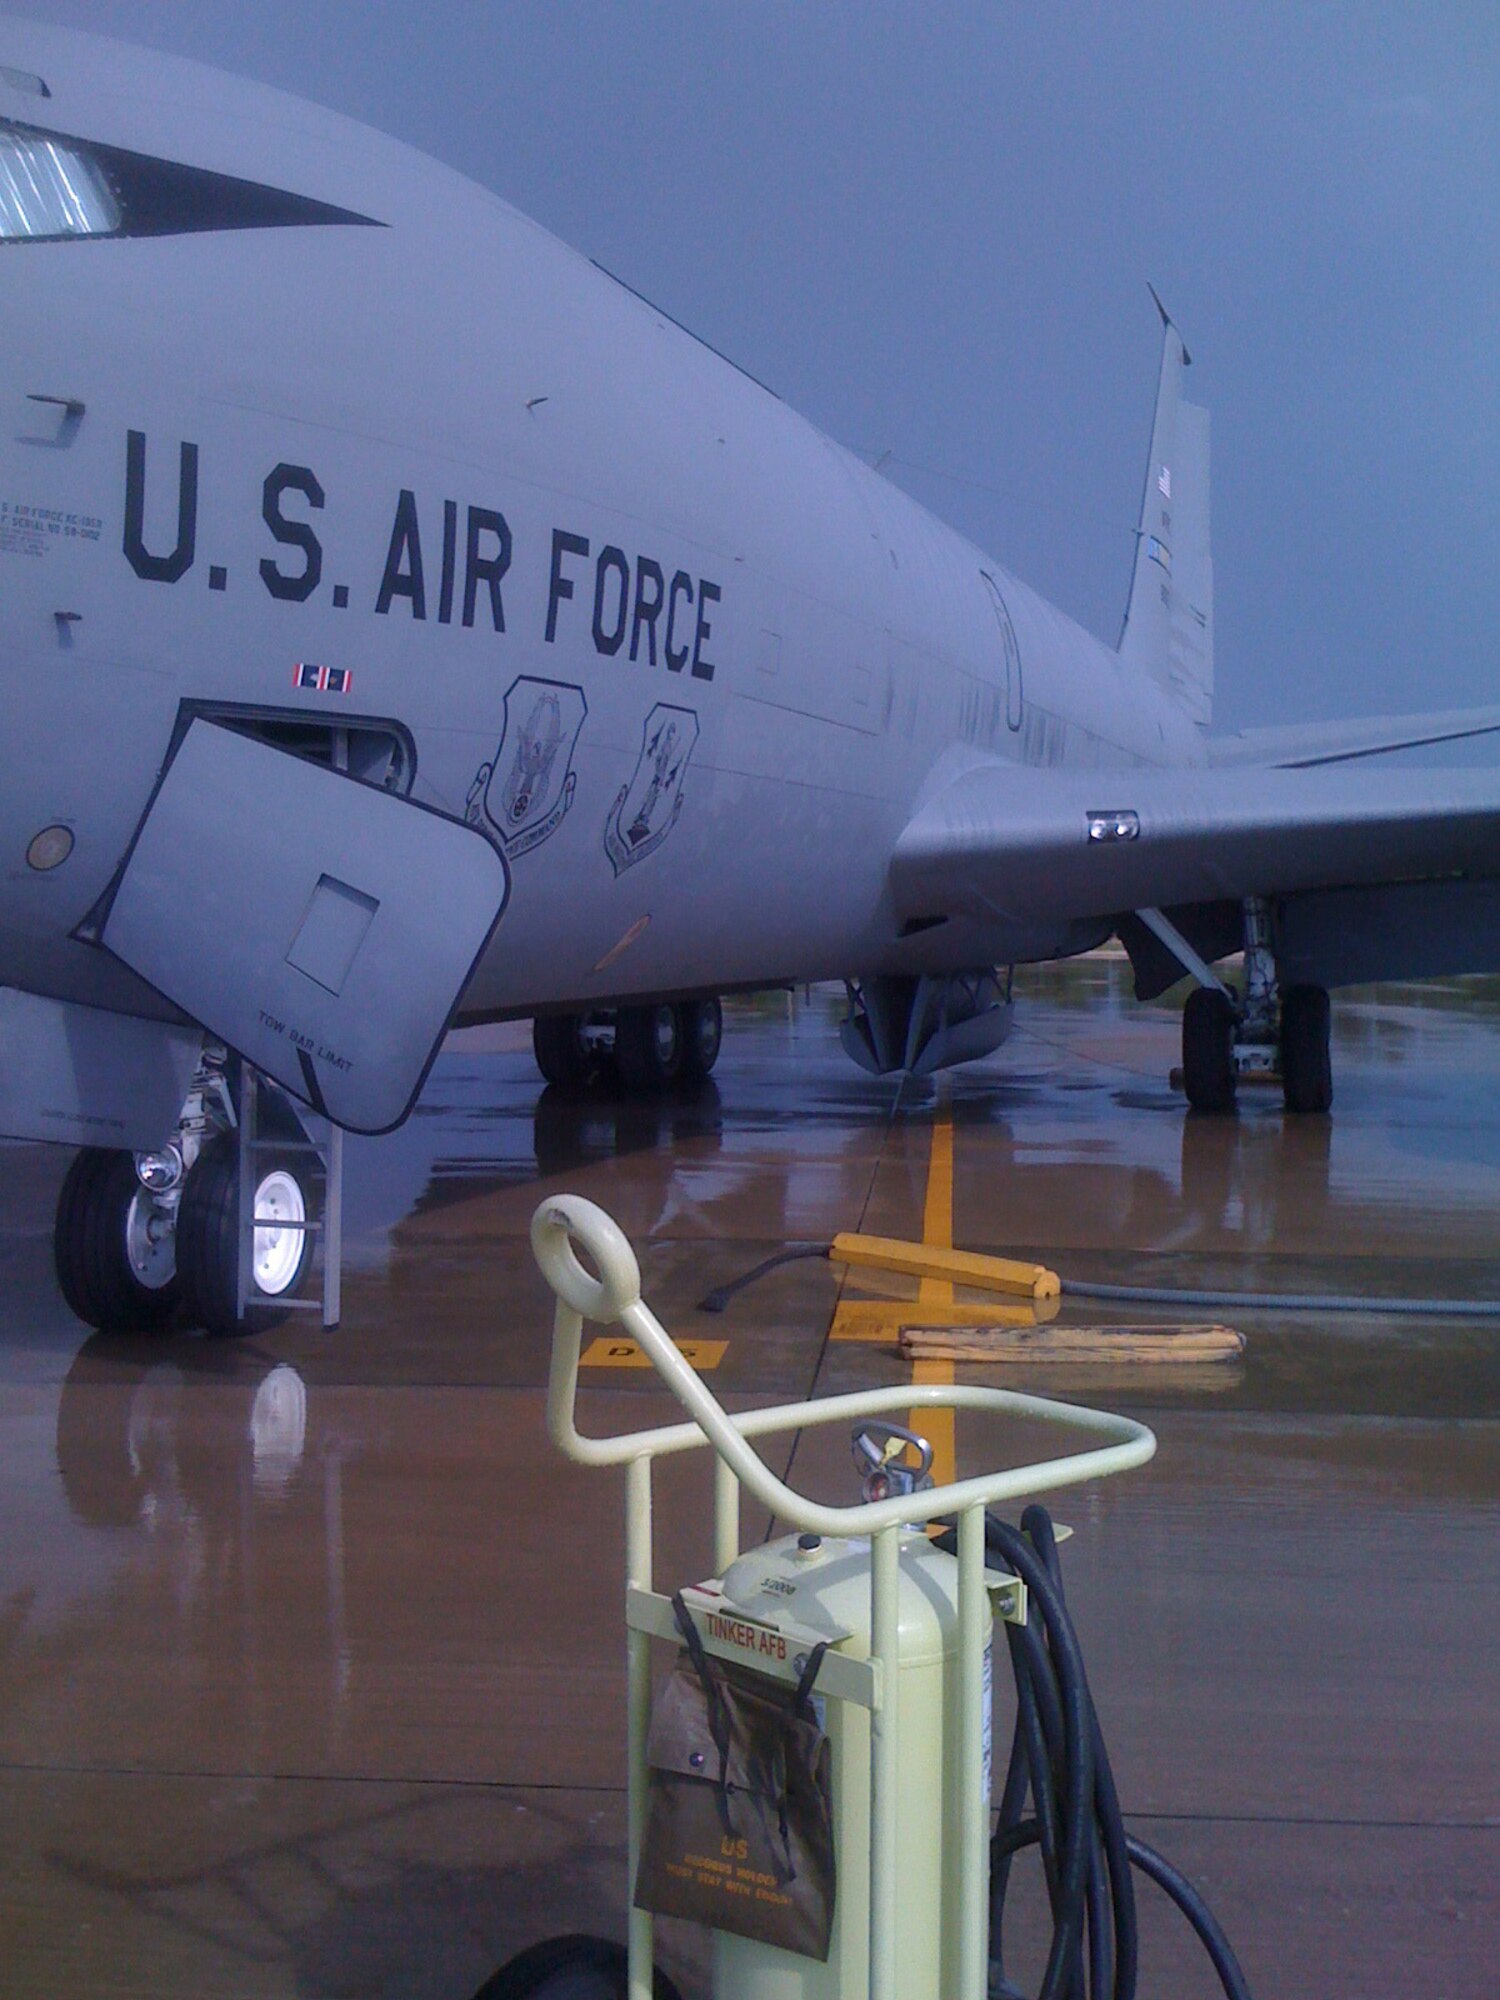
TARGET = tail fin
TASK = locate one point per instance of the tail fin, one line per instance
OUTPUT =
(1169, 620)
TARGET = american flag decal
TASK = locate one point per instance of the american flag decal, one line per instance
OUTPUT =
(326, 680)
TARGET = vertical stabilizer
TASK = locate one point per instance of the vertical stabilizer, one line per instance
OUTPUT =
(1169, 620)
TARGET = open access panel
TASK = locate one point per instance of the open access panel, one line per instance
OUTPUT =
(322, 927)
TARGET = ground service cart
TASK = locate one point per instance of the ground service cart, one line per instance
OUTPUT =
(901, 1631)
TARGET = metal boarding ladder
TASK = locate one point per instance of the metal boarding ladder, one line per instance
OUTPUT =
(254, 1145)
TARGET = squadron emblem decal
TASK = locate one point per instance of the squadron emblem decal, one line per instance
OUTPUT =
(649, 807)
(527, 786)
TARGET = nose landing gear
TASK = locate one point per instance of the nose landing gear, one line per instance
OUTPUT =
(216, 1229)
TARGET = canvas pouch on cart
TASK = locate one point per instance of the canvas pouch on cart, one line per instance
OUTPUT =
(739, 1816)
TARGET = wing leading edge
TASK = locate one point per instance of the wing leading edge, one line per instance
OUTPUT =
(1308, 743)
(1013, 846)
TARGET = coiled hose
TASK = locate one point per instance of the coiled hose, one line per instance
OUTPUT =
(1058, 1761)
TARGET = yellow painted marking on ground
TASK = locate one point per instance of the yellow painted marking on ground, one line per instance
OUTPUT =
(938, 1268)
(937, 1211)
(940, 1263)
(937, 1234)
(603, 1352)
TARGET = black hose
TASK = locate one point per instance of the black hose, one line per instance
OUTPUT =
(1193, 1907)
(1170, 1295)
(1343, 1302)
(716, 1301)
(1059, 1763)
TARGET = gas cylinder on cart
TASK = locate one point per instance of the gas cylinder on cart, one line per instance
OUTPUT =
(810, 1584)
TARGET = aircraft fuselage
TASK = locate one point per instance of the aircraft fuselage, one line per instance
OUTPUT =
(435, 478)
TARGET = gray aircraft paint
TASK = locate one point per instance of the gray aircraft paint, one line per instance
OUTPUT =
(444, 452)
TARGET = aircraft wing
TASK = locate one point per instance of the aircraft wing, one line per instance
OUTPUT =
(1302, 744)
(1017, 844)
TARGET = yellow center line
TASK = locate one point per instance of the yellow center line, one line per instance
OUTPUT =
(937, 1233)
(937, 1212)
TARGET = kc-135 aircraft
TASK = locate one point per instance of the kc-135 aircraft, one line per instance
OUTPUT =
(403, 621)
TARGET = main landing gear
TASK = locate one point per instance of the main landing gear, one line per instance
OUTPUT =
(652, 1048)
(1270, 1029)
(141, 1239)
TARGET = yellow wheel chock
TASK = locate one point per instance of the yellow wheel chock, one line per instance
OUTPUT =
(960, 1267)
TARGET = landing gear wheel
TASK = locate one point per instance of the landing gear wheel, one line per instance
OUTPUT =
(113, 1245)
(569, 1968)
(1208, 1051)
(1306, 1068)
(702, 1034)
(649, 1047)
(561, 1053)
(208, 1246)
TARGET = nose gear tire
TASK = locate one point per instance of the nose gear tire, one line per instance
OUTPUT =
(112, 1245)
(208, 1244)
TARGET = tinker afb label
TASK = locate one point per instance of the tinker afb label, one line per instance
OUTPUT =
(443, 561)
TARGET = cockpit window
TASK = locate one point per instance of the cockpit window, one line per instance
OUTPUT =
(54, 189)
(51, 189)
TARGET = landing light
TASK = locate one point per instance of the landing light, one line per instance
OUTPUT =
(1112, 826)
(159, 1172)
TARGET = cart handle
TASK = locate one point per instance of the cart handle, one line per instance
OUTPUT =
(614, 1295)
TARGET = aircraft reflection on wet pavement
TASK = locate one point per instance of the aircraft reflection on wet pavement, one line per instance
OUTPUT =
(287, 1623)
(151, 1465)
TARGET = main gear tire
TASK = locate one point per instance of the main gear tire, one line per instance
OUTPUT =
(208, 1238)
(702, 1038)
(649, 1047)
(1306, 1061)
(113, 1245)
(1208, 1051)
(561, 1053)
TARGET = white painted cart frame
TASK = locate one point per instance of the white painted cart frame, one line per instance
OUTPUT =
(615, 1296)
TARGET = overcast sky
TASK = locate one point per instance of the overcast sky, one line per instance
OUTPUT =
(930, 226)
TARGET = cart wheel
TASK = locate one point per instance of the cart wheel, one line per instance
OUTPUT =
(569, 1968)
